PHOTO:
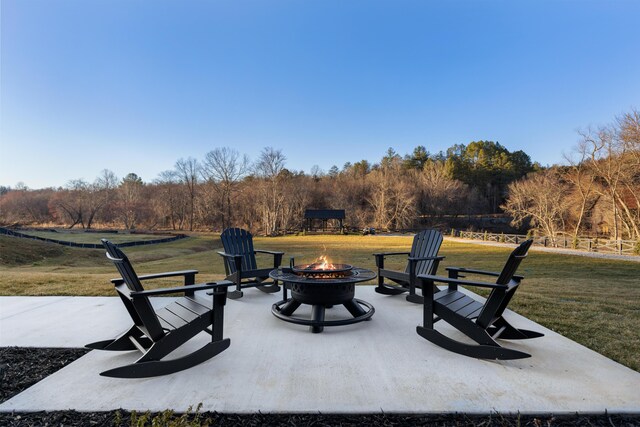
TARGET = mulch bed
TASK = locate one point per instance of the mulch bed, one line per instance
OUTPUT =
(22, 367)
(124, 418)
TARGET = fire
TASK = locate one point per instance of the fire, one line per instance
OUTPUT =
(322, 263)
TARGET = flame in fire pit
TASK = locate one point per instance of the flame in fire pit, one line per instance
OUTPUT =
(321, 263)
(321, 268)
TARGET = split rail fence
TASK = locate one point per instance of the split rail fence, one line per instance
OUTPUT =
(621, 247)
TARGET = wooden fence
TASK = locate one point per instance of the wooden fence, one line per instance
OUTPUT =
(621, 247)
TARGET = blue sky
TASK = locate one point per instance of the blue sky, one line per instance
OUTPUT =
(132, 86)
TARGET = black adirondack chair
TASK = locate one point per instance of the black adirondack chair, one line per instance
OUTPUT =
(423, 259)
(482, 322)
(156, 333)
(240, 263)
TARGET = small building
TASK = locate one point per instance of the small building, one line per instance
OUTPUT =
(327, 220)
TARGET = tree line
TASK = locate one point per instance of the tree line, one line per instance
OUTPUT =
(597, 192)
(224, 188)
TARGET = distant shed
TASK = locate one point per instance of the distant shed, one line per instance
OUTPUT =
(330, 219)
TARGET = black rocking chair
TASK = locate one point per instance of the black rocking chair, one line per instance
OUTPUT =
(240, 263)
(156, 333)
(484, 323)
(422, 259)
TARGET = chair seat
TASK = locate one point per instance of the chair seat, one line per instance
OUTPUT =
(181, 312)
(459, 303)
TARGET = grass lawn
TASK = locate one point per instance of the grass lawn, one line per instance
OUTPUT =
(589, 300)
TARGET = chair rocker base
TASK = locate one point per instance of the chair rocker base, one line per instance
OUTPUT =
(163, 367)
(237, 293)
(269, 289)
(102, 345)
(512, 333)
(478, 351)
(385, 289)
(416, 299)
(123, 342)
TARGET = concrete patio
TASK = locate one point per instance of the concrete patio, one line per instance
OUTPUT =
(275, 367)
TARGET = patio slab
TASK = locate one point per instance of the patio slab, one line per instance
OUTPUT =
(275, 367)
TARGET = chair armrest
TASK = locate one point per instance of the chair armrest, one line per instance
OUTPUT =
(268, 252)
(452, 281)
(226, 255)
(189, 288)
(391, 253)
(277, 256)
(120, 280)
(380, 257)
(474, 271)
(426, 258)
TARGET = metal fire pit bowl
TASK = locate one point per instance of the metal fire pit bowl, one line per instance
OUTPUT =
(311, 270)
(331, 287)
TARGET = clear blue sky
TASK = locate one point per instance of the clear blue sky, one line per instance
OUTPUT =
(132, 86)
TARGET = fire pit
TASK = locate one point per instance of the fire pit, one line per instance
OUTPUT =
(321, 285)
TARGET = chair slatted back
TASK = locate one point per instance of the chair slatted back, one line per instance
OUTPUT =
(425, 244)
(499, 298)
(140, 308)
(237, 241)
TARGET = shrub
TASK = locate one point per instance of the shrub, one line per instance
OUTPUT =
(166, 418)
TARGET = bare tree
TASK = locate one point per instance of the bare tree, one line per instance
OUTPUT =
(131, 198)
(188, 171)
(69, 204)
(225, 167)
(629, 137)
(269, 168)
(105, 188)
(25, 206)
(170, 204)
(540, 198)
(441, 194)
(97, 196)
(298, 190)
(391, 195)
(583, 181)
(614, 160)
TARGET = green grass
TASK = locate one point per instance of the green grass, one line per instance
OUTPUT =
(592, 301)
